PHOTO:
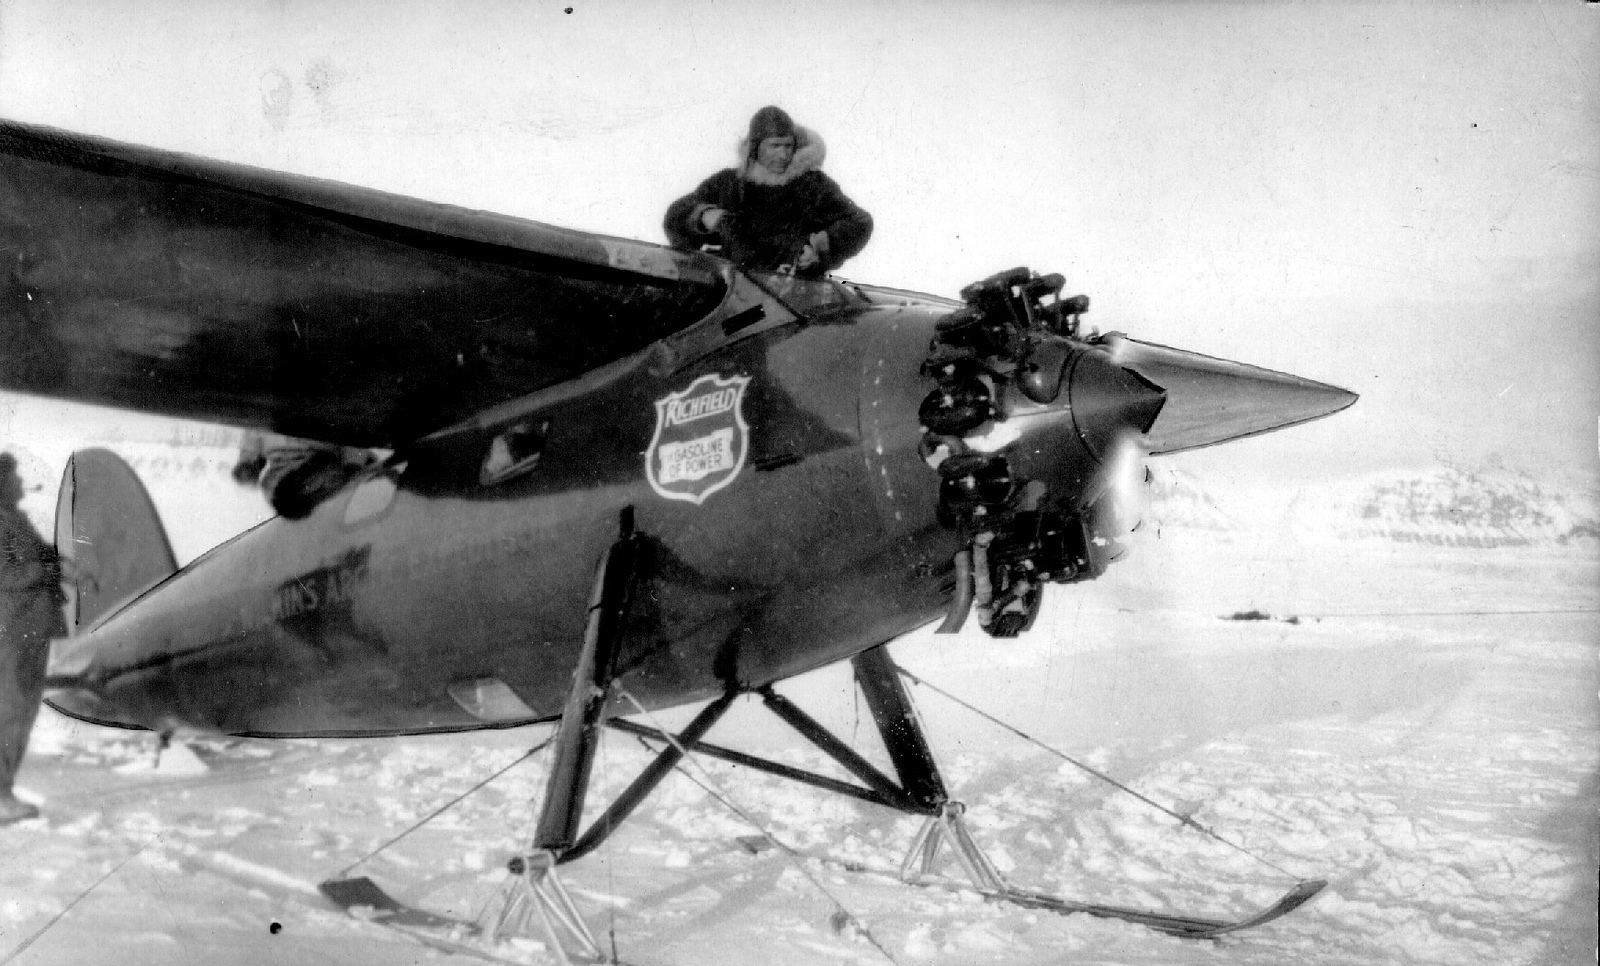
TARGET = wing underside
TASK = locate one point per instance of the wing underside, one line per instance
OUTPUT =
(156, 281)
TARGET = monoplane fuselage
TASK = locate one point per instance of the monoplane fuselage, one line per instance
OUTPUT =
(790, 519)
(805, 462)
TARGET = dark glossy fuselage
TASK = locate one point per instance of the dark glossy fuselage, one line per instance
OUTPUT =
(423, 578)
(535, 383)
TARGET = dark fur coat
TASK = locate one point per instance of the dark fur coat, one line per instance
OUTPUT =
(773, 217)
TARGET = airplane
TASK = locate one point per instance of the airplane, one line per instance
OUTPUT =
(617, 477)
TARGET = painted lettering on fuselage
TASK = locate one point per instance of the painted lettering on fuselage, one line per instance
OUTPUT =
(699, 407)
(357, 572)
(317, 607)
(322, 588)
(696, 459)
(701, 439)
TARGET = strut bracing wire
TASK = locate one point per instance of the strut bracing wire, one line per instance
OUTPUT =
(23, 947)
(710, 787)
(1083, 766)
(447, 806)
(611, 869)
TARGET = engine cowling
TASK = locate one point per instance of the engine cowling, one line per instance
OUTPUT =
(1029, 426)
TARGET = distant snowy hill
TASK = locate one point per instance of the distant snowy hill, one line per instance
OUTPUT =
(1491, 507)
(1178, 499)
(1445, 506)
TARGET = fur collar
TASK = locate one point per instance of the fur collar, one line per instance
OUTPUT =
(809, 152)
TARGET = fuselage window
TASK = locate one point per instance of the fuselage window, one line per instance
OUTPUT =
(514, 451)
(370, 498)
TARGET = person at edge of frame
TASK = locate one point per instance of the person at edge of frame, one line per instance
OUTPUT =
(30, 615)
(776, 211)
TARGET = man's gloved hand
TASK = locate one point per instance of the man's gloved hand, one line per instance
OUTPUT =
(712, 218)
(807, 258)
(816, 249)
(247, 472)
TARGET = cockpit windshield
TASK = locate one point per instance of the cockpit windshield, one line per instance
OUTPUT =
(806, 296)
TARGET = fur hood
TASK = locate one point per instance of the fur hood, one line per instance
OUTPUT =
(809, 152)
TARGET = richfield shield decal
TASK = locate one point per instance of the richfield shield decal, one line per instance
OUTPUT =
(701, 439)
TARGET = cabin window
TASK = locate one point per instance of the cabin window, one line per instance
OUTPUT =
(490, 699)
(513, 452)
(371, 497)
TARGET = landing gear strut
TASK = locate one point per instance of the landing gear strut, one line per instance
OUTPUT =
(534, 891)
(534, 886)
(920, 790)
(896, 718)
(917, 787)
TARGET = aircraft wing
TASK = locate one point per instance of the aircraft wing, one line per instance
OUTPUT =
(172, 284)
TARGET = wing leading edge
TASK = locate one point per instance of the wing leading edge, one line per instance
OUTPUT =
(177, 285)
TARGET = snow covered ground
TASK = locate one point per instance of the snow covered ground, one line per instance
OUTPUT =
(1413, 719)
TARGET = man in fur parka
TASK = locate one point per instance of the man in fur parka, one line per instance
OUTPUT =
(776, 209)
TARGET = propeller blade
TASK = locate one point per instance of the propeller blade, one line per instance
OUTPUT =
(1211, 401)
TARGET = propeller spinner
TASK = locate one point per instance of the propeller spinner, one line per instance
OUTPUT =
(1211, 401)
(1039, 435)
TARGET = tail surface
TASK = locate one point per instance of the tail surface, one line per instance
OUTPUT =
(111, 541)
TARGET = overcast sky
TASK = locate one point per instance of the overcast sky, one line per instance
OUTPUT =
(1401, 200)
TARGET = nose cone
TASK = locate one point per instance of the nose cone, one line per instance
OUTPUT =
(1110, 401)
(1210, 401)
